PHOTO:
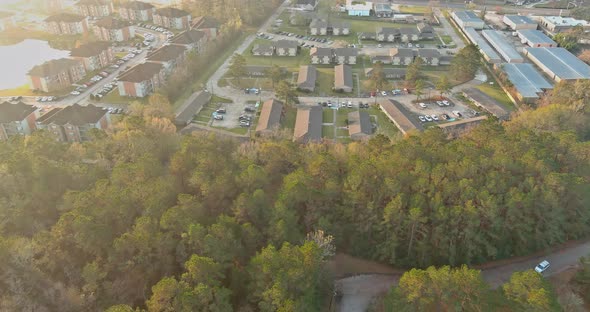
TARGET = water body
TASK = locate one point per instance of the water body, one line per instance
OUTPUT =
(16, 60)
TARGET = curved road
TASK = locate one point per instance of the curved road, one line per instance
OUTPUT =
(358, 291)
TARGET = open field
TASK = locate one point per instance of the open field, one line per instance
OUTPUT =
(413, 9)
(22, 90)
(115, 98)
(328, 116)
(328, 132)
(289, 118)
(496, 92)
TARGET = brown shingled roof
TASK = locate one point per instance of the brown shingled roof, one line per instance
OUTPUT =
(141, 72)
(53, 67)
(166, 53)
(308, 124)
(90, 49)
(307, 77)
(77, 115)
(400, 116)
(359, 123)
(188, 37)
(111, 23)
(65, 17)
(15, 112)
(342, 76)
(137, 5)
(171, 12)
(270, 116)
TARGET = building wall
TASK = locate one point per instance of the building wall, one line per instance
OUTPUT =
(95, 10)
(359, 12)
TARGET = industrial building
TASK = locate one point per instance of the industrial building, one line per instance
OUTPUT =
(527, 81)
(558, 63)
(556, 24)
(486, 50)
(505, 48)
(535, 38)
(518, 22)
(468, 19)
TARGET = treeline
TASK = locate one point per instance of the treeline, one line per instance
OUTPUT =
(143, 217)
(252, 12)
(463, 289)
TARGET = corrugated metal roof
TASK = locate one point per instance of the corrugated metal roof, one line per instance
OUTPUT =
(504, 47)
(526, 79)
(483, 45)
(560, 62)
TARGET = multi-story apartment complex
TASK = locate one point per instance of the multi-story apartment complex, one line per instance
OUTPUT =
(94, 55)
(55, 74)
(66, 24)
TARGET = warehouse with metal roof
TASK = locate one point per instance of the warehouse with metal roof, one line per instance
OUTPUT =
(558, 63)
(517, 22)
(467, 19)
(488, 52)
(528, 82)
(505, 48)
(535, 38)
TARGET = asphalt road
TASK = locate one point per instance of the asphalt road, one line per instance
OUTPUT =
(358, 291)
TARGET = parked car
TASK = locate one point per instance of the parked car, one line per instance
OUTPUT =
(75, 92)
(446, 103)
(221, 111)
(384, 93)
(422, 105)
(440, 103)
(422, 119)
(434, 117)
(249, 109)
(428, 118)
(218, 117)
(542, 267)
(457, 113)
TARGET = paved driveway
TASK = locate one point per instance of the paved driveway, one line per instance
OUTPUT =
(358, 291)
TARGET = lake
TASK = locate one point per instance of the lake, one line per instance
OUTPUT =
(16, 60)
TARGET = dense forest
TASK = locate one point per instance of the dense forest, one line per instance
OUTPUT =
(142, 217)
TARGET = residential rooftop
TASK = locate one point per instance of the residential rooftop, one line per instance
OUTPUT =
(307, 76)
(359, 122)
(270, 115)
(308, 124)
(342, 76)
(65, 17)
(141, 72)
(188, 37)
(15, 112)
(53, 67)
(400, 116)
(166, 53)
(111, 23)
(137, 5)
(172, 12)
(93, 2)
(76, 115)
(90, 49)
(468, 16)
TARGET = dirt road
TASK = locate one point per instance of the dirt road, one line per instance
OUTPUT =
(358, 291)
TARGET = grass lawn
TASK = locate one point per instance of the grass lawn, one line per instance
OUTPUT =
(22, 90)
(115, 98)
(289, 119)
(413, 9)
(325, 81)
(342, 116)
(496, 92)
(264, 83)
(433, 75)
(328, 132)
(238, 130)
(384, 125)
(205, 73)
(342, 132)
(328, 115)
(446, 39)
(218, 99)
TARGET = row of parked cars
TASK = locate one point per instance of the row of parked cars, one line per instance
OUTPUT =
(114, 110)
(342, 104)
(442, 103)
(106, 89)
(434, 117)
(45, 98)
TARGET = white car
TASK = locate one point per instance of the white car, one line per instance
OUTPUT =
(434, 117)
(422, 119)
(542, 267)
(384, 93)
(428, 118)
(446, 103)
(422, 105)
(75, 93)
(440, 103)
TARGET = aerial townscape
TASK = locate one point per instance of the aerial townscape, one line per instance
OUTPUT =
(294, 155)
